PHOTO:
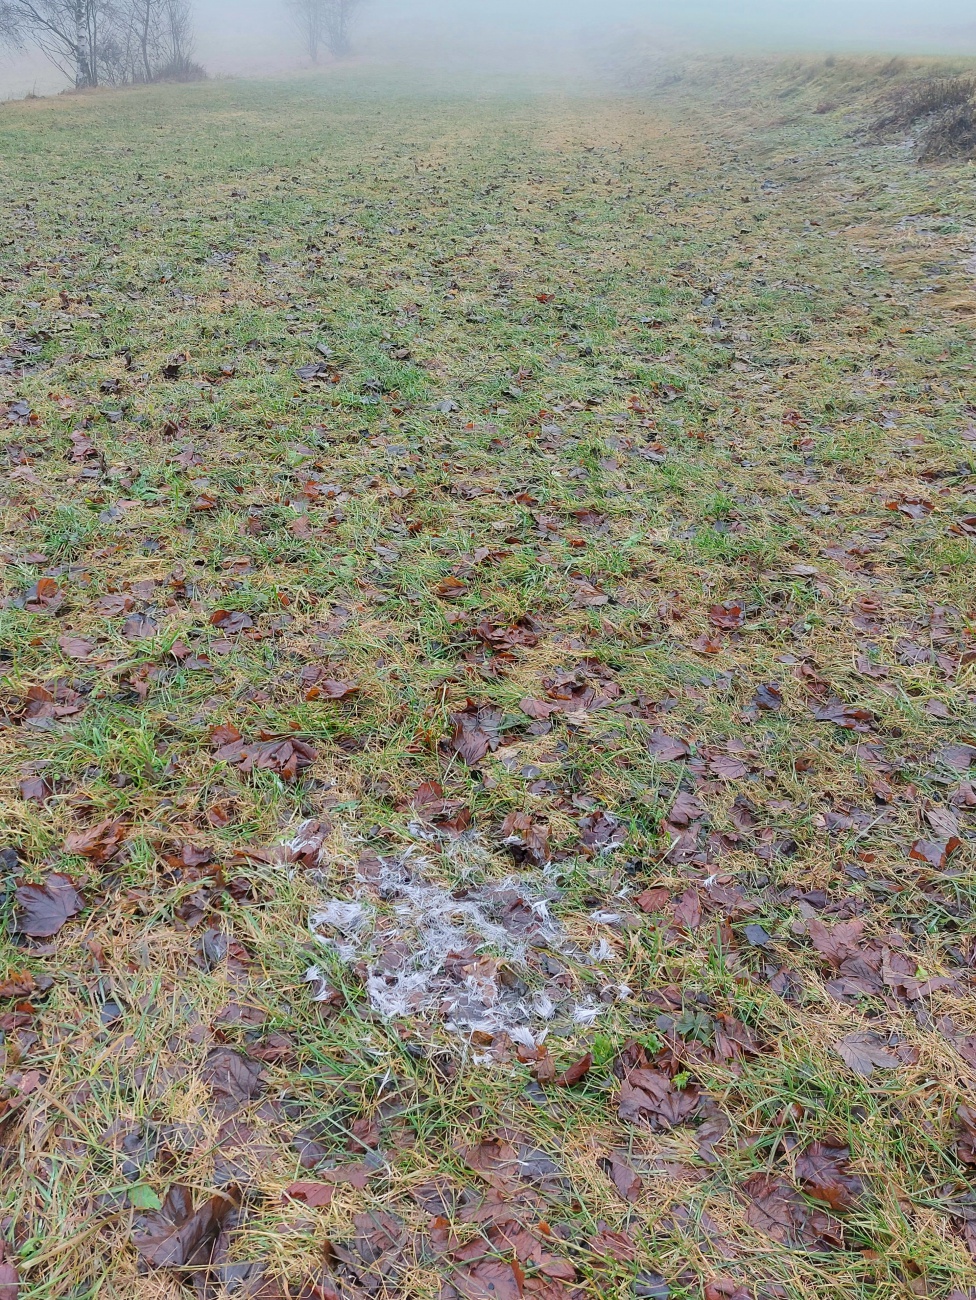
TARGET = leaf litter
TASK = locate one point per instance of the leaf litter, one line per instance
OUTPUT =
(643, 668)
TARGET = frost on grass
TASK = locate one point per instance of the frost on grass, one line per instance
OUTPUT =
(485, 960)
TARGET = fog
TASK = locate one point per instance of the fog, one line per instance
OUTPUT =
(254, 37)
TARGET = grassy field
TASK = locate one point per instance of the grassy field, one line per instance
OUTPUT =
(511, 554)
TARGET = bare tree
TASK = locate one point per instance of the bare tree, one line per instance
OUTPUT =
(69, 32)
(324, 23)
(338, 25)
(96, 41)
(308, 17)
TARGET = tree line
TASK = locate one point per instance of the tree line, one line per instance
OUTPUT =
(118, 42)
(105, 42)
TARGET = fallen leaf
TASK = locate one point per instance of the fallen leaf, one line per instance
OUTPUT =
(688, 910)
(822, 1170)
(654, 899)
(476, 731)
(75, 647)
(650, 1097)
(138, 627)
(935, 852)
(851, 717)
(864, 1052)
(9, 1276)
(628, 1183)
(315, 1195)
(177, 1236)
(233, 1079)
(769, 697)
(489, 1279)
(231, 621)
(728, 616)
(778, 1210)
(757, 936)
(665, 748)
(41, 910)
(99, 843)
(577, 1071)
(537, 709)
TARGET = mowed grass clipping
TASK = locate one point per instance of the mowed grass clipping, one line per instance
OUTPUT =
(553, 513)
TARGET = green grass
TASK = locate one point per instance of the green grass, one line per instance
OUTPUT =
(524, 391)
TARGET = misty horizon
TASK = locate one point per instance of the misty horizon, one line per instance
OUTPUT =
(256, 37)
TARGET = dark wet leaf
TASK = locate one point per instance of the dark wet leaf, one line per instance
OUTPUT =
(233, 1079)
(851, 717)
(628, 1183)
(177, 1236)
(823, 1173)
(757, 936)
(665, 748)
(41, 910)
(769, 697)
(777, 1209)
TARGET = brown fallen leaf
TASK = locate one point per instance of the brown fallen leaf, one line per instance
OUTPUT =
(330, 690)
(864, 1052)
(768, 697)
(823, 1172)
(650, 1097)
(531, 838)
(98, 843)
(231, 621)
(41, 910)
(315, 1195)
(728, 616)
(9, 1276)
(851, 717)
(687, 911)
(476, 731)
(489, 1279)
(139, 627)
(654, 899)
(574, 1073)
(450, 587)
(179, 1237)
(776, 1209)
(911, 507)
(538, 709)
(935, 852)
(627, 1182)
(75, 647)
(233, 1079)
(665, 748)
